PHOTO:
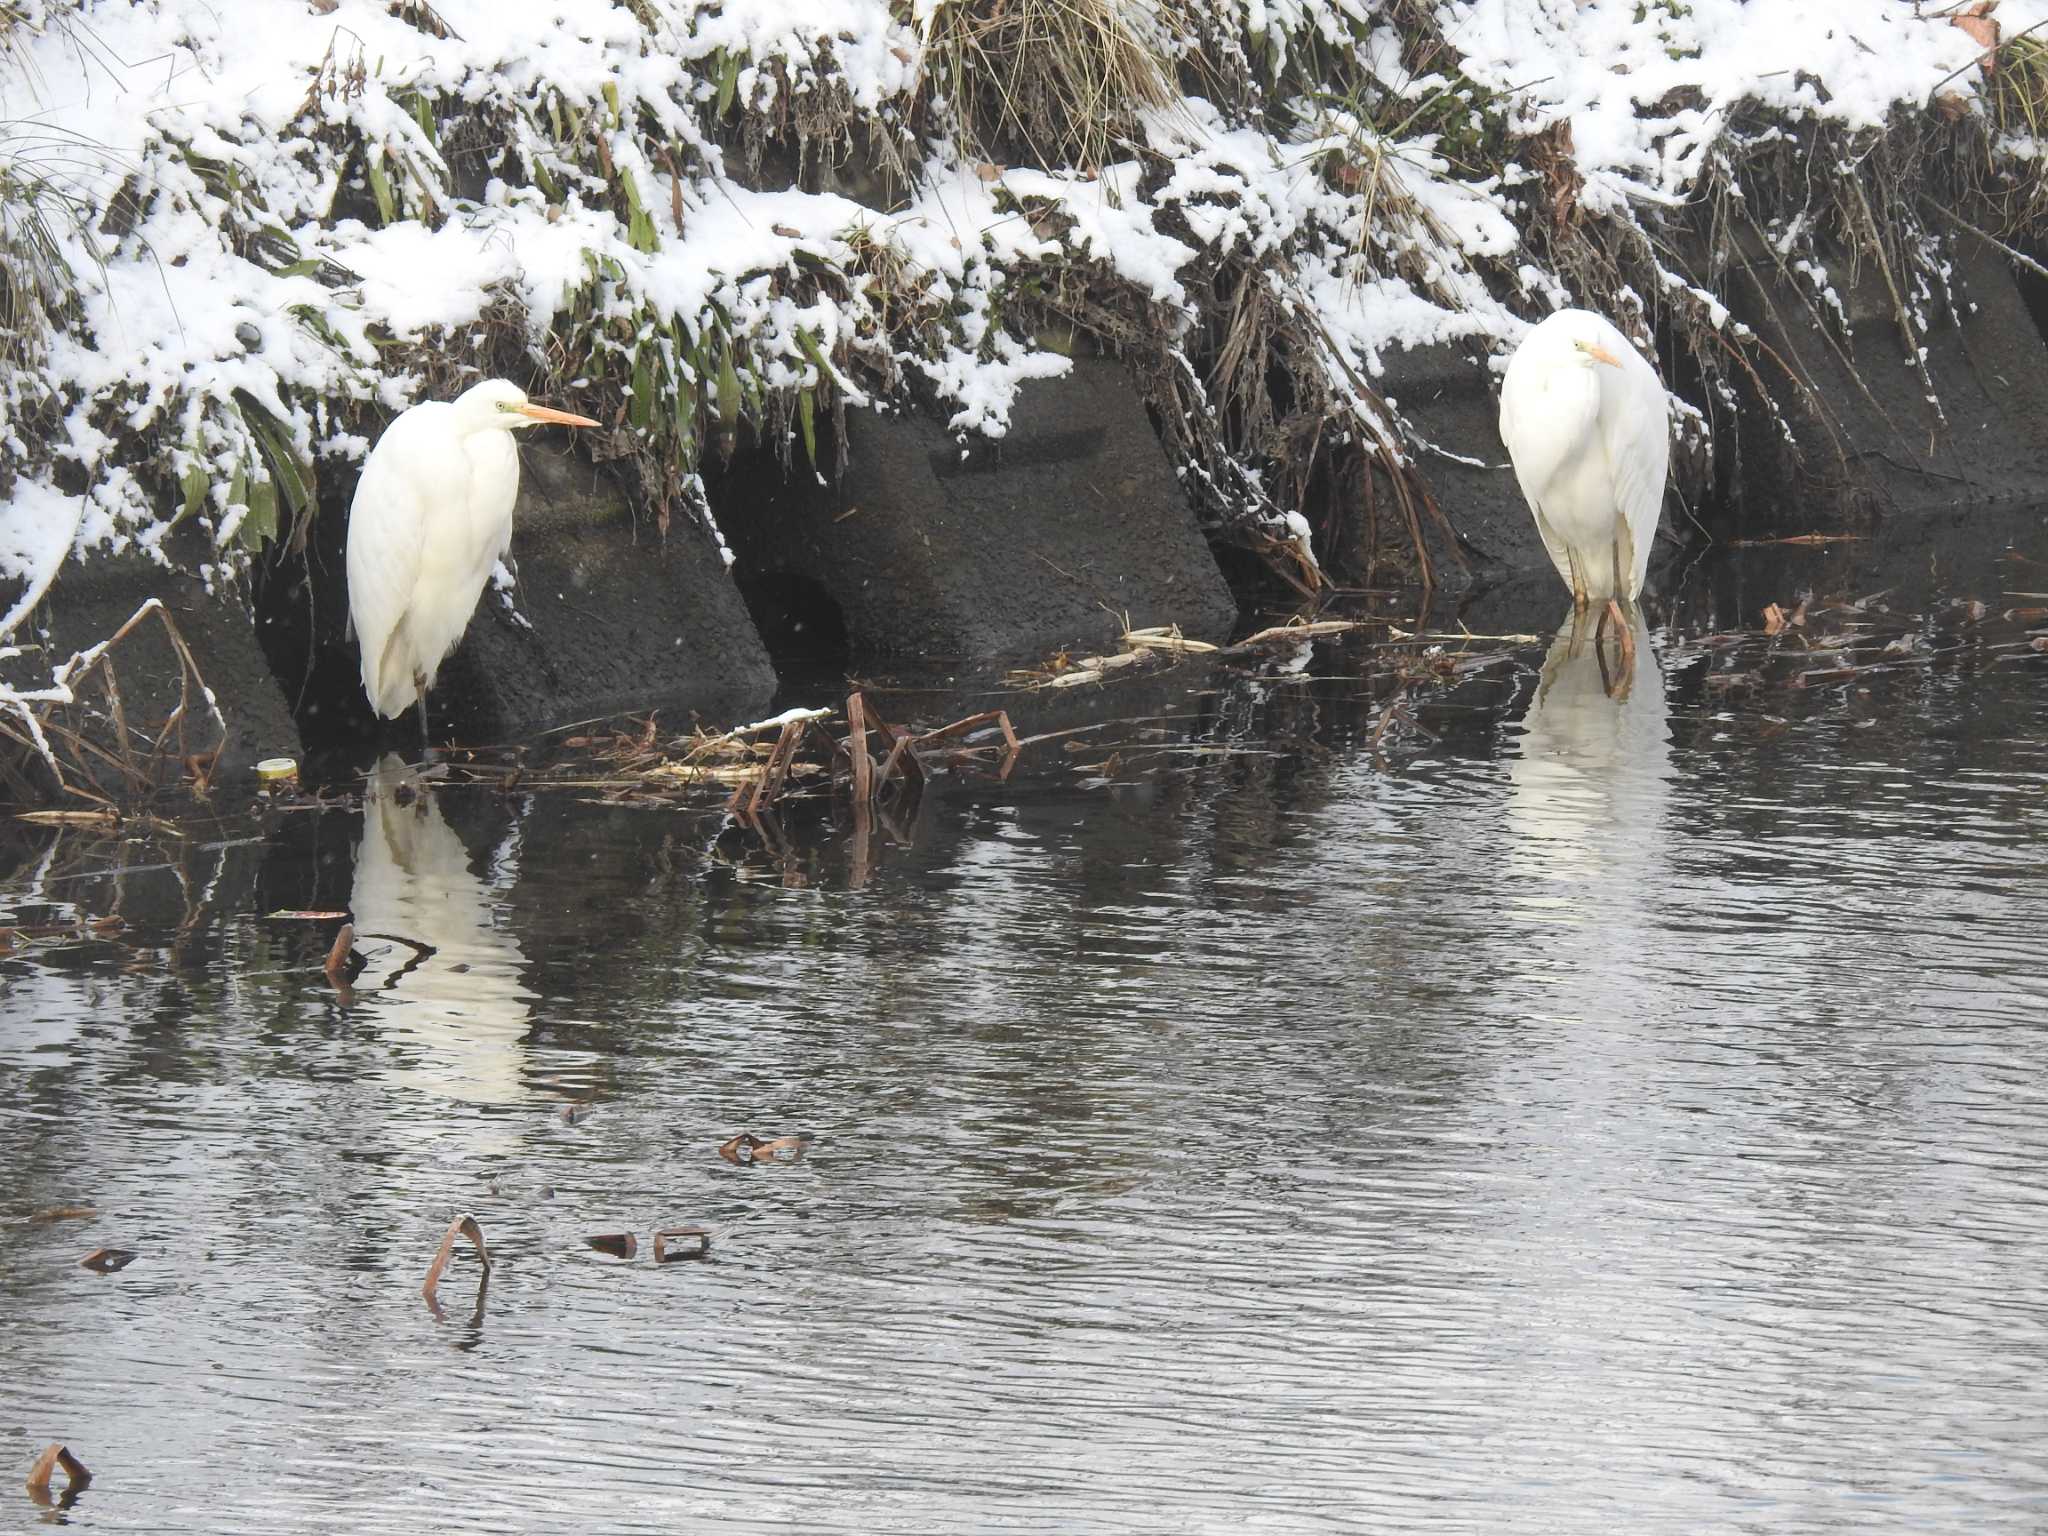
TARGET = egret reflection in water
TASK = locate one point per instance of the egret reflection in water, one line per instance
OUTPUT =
(1590, 781)
(443, 975)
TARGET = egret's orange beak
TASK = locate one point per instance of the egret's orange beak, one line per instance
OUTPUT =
(550, 414)
(1594, 350)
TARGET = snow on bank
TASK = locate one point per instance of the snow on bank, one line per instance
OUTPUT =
(292, 235)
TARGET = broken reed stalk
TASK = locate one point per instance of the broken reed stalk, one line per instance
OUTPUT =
(135, 762)
(768, 787)
(462, 1226)
(337, 956)
(857, 748)
(76, 1474)
(804, 748)
(336, 967)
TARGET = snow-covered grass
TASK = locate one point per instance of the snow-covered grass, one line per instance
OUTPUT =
(701, 217)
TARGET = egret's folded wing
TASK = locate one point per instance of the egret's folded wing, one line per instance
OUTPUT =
(402, 481)
(1636, 424)
(1533, 449)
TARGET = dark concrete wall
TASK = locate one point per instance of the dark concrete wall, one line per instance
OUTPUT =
(1868, 437)
(1453, 408)
(617, 615)
(1009, 547)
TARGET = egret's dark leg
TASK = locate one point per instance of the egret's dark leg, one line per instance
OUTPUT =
(1578, 629)
(1617, 683)
(419, 683)
(1624, 631)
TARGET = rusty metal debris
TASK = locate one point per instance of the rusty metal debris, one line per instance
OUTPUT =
(106, 1261)
(749, 1148)
(76, 1475)
(620, 1245)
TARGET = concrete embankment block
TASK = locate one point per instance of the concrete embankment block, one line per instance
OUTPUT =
(94, 597)
(1452, 407)
(1869, 436)
(611, 613)
(607, 615)
(936, 546)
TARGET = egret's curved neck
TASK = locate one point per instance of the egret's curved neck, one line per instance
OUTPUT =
(1576, 391)
(1571, 412)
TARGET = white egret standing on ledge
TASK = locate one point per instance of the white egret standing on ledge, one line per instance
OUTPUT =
(431, 517)
(1588, 426)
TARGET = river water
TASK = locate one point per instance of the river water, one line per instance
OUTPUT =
(1314, 1104)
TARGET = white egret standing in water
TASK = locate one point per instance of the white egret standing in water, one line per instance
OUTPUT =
(1587, 424)
(432, 515)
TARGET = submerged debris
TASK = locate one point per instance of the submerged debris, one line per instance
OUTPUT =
(701, 1236)
(696, 1243)
(106, 1261)
(76, 1475)
(50, 1213)
(749, 1148)
(870, 761)
(462, 1226)
(338, 956)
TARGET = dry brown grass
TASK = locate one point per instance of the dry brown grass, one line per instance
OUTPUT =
(1050, 82)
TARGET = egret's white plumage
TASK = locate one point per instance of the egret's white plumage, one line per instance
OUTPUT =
(1587, 423)
(432, 515)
